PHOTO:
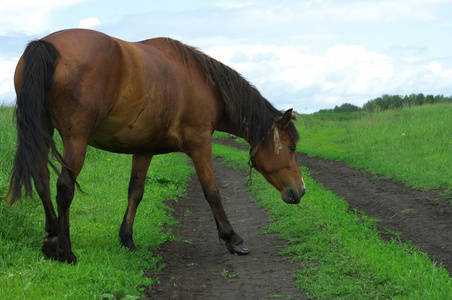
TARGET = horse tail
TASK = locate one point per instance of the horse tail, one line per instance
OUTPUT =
(34, 118)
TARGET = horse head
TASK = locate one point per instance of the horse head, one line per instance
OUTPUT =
(276, 160)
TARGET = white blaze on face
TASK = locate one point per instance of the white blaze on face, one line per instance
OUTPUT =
(276, 141)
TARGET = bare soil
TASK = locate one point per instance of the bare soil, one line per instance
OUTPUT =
(200, 267)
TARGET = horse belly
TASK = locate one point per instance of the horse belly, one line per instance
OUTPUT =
(133, 139)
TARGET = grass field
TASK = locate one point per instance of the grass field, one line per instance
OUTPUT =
(412, 145)
(337, 253)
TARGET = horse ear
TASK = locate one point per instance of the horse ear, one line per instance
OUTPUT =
(286, 119)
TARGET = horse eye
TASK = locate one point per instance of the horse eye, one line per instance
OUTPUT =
(292, 148)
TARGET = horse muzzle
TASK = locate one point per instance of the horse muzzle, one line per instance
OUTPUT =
(292, 196)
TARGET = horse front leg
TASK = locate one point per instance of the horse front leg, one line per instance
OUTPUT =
(202, 160)
(140, 166)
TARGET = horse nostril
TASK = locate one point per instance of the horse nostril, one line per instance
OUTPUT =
(303, 191)
(295, 197)
(292, 196)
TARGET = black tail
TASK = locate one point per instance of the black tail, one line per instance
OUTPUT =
(34, 120)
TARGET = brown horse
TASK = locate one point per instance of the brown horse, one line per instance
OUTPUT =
(146, 98)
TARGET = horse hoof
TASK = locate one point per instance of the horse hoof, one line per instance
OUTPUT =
(129, 244)
(71, 259)
(49, 247)
(240, 249)
(68, 257)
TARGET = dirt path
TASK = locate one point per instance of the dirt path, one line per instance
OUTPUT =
(200, 267)
(421, 217)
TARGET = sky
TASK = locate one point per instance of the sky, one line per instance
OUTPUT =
(307, 55)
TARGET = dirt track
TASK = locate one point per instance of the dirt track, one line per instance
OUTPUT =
(424, 218)
(200, 267)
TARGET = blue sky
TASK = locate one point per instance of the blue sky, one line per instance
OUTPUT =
(308, 55)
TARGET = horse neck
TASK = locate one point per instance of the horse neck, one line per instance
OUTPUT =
(226, 126)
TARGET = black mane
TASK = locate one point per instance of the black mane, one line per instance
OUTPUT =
(251, 114)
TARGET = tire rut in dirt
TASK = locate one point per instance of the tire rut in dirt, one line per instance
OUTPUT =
(200, 266)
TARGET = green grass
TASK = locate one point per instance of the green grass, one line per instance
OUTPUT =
(339, 253)
(412, 145)
(7, 146)
(104, 267)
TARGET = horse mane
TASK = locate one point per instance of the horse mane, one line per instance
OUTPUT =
(251, 114)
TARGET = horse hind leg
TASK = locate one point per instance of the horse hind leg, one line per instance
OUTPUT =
(43, 191)
(51, 223)
(74, 156)
(140, 166)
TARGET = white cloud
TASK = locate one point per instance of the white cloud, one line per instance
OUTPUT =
(89, 23)
(435, 67)
(341, 69)
(343, 73)
(7, 67)
(438, 75)
(371, 11)
(231, 5)
(29, 16)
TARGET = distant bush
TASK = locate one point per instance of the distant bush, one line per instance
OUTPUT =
(386, 102)
(344, 108)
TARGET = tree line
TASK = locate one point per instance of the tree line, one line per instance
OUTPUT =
(386, 102)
